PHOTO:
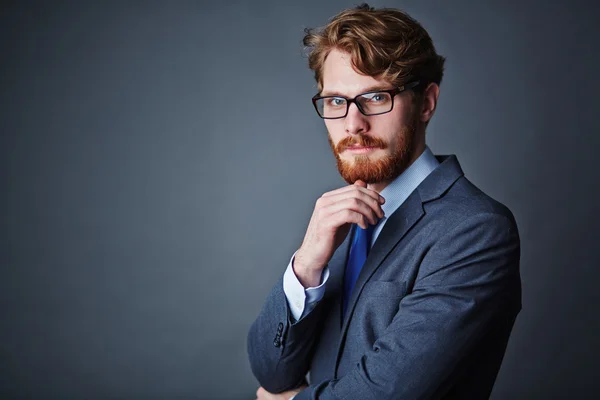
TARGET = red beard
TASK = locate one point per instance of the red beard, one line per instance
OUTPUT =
(374, 171)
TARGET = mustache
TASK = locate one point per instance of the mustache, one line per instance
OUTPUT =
(360, 140)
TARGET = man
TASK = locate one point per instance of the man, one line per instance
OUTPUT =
(407, 284)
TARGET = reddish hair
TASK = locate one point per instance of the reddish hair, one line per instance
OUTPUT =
(385, 44)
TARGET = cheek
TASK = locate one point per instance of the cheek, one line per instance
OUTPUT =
(391, 126)
(335, 129)
(385, 129)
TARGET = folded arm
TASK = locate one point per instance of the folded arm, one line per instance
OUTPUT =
(280, 341)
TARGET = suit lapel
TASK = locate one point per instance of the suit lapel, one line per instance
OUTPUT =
(393, 231)
(398, 224)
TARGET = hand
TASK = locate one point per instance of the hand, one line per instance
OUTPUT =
(329, 225)
(262, 394)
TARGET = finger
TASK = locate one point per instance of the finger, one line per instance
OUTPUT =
(370, 196)
(261, 393)
(354, 204)
(347, 216)
(368, 200)
(354, 187)
(351, 188)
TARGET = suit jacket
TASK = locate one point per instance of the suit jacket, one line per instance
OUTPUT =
(430, 314)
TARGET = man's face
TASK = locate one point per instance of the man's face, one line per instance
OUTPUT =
(389, 136)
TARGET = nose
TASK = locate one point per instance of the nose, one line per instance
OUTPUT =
(355, 121)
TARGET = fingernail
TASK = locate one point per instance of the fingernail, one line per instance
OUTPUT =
(381, 199)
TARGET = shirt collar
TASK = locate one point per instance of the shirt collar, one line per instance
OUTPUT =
(400, 188)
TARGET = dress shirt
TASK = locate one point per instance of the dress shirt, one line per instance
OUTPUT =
(302, 300)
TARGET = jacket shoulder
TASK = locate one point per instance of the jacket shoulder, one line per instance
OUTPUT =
(464, 200)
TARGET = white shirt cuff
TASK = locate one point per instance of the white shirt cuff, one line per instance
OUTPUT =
(301, 300)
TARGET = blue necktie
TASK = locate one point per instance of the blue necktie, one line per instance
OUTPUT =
(358, 254)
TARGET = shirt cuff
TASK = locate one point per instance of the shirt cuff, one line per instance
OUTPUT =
(301, 300)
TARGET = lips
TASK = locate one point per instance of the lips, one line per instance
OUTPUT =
(360, 150)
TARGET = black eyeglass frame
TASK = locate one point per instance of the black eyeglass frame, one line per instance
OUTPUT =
(393, 92)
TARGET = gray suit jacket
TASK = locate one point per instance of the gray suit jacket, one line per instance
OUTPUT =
(430, 314)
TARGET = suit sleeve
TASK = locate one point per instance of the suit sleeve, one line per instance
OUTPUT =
(467, 280)
(279, 346)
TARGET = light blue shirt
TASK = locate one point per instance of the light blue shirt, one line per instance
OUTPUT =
(301, 300)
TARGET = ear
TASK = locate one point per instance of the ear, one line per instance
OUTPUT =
(429, 102)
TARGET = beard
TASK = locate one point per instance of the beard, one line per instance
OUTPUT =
(378, 170)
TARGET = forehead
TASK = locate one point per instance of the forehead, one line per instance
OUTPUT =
(339, 76)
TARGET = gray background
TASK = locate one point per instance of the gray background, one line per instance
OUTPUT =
(160, 162)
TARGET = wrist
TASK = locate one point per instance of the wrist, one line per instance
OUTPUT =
(308, 275)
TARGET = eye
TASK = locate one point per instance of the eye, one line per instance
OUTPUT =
(376, 97)
(336, 101)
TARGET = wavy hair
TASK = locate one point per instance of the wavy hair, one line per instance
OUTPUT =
(383, 43)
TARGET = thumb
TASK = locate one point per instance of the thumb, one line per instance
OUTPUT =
(360, 183)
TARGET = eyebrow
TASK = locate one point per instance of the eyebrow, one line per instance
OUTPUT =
(366, 90)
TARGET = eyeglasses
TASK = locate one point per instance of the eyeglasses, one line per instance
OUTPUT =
(370, 103)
